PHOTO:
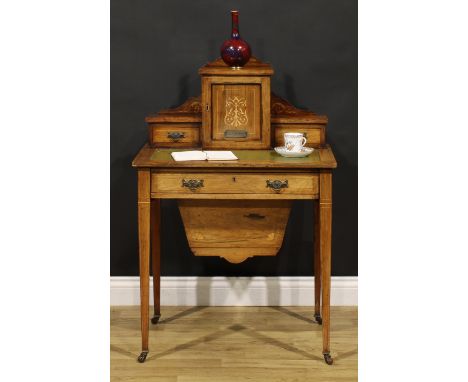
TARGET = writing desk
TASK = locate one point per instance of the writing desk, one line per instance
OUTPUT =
(257, 175)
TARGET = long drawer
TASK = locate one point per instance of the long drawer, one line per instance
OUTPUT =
(246, 185)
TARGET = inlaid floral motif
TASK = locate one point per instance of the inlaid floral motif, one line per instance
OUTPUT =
(236, 112)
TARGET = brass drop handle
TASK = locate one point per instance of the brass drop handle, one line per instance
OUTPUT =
(254, 216)
(192, 184)
(175, 135)
(277, 185)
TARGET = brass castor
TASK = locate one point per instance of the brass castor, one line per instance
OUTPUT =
(142, 356)
(318, 319)
(328, 358)
(155, 319)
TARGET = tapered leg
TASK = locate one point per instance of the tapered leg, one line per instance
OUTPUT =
(144, 220)
(325, 213)
(317, 265)
(156, 257)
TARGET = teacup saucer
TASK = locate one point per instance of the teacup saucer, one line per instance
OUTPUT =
(294, 154)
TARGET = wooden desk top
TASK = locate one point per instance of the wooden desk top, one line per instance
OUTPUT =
(161, 158)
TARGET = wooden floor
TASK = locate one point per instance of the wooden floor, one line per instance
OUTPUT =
(224, 344)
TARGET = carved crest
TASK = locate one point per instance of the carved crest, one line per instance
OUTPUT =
(192, 105)
(282, 107)
(236, 112)
(286, 112)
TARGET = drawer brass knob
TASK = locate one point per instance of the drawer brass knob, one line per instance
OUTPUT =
(175, 135)
(277, 185)
(192, 184)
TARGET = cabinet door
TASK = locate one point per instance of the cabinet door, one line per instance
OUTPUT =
(236, 112)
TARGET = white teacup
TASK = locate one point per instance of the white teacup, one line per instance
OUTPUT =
(294, 142)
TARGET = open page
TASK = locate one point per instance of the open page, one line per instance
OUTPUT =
(220, 155)
(180, 156)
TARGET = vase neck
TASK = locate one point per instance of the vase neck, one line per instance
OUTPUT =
(235, 24)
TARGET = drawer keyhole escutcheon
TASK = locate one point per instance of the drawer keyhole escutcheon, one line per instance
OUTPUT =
(277, 185)
(192, 184)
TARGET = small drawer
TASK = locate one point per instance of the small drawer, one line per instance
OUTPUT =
(315, 134)
(174, 134)
(275, 184)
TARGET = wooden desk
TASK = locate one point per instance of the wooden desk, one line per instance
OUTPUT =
(227, 180)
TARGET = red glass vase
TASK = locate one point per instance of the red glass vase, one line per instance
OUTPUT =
(235, 52)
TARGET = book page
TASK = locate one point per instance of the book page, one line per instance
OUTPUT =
(220, 155)
(180, 156)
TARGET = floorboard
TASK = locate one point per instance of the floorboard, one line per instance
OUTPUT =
(227, 344)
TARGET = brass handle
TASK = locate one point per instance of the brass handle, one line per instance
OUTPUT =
(192, 184)
(175, 135)
(277, 185)
(255, 216)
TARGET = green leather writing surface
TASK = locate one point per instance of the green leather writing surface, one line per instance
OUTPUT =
(272, 156)
(164, 155)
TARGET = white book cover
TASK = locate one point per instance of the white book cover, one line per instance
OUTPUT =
(180, 156)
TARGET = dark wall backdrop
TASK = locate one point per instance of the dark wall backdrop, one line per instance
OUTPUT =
(156, 50)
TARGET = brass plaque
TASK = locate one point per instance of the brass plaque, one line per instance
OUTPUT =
(235, 134)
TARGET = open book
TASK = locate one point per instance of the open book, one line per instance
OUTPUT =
(202, 155)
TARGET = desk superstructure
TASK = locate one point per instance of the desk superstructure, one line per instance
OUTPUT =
(236, 111)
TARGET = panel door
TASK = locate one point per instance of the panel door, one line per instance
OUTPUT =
(236, 112)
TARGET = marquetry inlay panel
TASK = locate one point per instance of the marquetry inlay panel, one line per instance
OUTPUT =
(236, 111)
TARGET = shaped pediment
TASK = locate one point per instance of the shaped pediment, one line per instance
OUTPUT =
(282, 111)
